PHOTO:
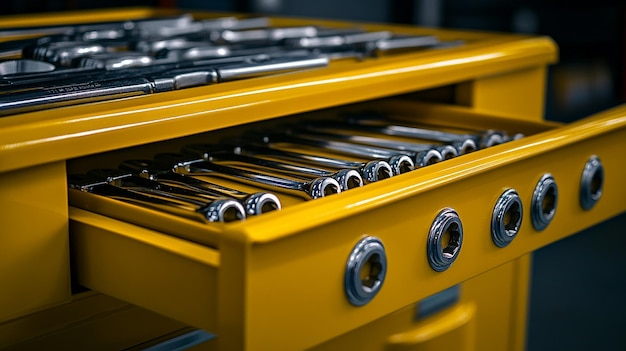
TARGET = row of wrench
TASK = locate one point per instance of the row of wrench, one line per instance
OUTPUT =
(70, 65)
(308, 160)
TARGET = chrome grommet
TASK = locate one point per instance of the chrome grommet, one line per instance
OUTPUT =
(507, 218)
(365, 270)
(544, 202)
(444, 240)
(591, 183)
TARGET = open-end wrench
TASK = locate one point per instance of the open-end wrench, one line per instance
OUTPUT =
(254, 204)
(312, 189)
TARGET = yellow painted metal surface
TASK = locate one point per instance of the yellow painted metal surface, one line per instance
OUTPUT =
(34, 250)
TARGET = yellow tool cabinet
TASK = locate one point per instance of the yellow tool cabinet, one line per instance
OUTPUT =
(276, 282)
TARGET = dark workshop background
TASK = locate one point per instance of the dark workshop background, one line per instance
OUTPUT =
(577, 299)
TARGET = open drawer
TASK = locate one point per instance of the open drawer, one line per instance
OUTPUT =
(267, 280)
(288, 279)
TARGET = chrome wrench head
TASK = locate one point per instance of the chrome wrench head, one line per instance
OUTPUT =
(348, 179)
(401, 164)
(376, 170)
(428, 158)
(447, 152)
(224, 210)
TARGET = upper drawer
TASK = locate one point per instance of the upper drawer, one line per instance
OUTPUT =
(38, 137)
(344, 260)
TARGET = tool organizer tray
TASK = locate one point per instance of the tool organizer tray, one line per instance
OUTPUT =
(262, 283)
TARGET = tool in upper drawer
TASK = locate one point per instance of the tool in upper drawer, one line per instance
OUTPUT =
(254, 204)
(222, 210)
(377, 123)
(371, 171)
(399, 160)
(153, 83)
(311, 189)
(347, 178)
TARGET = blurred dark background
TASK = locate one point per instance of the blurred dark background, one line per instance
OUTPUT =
(577, 292)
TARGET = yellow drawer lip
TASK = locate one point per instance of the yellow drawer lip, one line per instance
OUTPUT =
(44, 136)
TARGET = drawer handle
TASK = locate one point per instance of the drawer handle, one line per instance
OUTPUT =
(591, 183)
(444, 240)
(365, 270)
(545, 199)
(507, 218)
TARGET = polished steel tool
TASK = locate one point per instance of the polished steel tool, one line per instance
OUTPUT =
(90, 91)
(222, 209)
(371, 171)
(347, 178)
(254, 204)
(312, 189)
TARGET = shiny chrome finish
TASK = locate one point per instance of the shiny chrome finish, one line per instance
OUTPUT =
(23, 66)
(506, 218)
(64, 52)
(544, 202)
(313, 189)
(486, 139)
(254, 204)
(371, 171)
(591, 183)
(365, 271)
(421, 158)
(444, 240)
(347, 178)
(218, 210)
(70, 93)
(114, 61)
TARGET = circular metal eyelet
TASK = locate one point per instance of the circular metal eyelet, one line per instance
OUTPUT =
(444, 240)
(544, 202)
(507, 218)
(591, 183)
(365, 270)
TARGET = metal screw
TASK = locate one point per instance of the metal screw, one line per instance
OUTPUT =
(507, 218)
(591, 183)
(444, 240)
(365, 270)
(544, 202)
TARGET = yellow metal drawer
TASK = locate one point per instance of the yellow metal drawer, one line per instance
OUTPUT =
(289, 267)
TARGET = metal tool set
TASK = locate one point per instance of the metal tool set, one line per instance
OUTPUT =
(70, 65)
(308, 160)
(378, 215)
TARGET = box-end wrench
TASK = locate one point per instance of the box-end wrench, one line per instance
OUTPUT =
(254, 204)
(313, 189)
(220, 210)
(347, 178)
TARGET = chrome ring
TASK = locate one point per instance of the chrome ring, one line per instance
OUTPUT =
(365, 270)
(507, 218)
(444, 240)
(544, 202)
(591, 183)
